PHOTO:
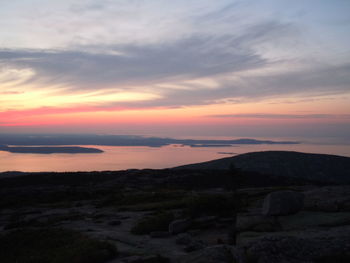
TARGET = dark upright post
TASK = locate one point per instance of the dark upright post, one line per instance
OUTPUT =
(233, 185)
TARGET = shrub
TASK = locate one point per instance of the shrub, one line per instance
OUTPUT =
(158, 222)
(209, 204)
(51, 245)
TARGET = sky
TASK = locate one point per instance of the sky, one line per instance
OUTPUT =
(268, 68)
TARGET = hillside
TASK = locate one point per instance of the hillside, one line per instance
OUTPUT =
(315, 167)
(174, 215)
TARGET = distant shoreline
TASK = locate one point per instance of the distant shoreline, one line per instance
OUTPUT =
(49, 150)
(123, 140)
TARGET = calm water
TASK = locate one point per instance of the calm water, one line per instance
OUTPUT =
(119, 158)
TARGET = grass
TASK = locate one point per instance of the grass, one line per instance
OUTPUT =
(51, 245)
(16, 222)
(158, 222)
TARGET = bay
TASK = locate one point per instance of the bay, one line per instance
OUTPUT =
(137, 157)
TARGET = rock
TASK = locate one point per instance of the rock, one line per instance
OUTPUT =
(194, 232)
(283, 203)
(159, 234)
(115, 223)
(179, 226)
(295, 250)
(256, 223)
(204, 221)
(327, 245)
(244, 238)
(183, 239)
(308, 219)
(195, 245)
(226, 220)
(145, 259)
(214, 254)
(328, 199)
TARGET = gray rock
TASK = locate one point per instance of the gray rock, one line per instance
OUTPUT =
(179, 226)
(308, 219)
(214, 254)
(247, 237)
(145, 259)
(328, 199)
(295, 250)
(183, 239)
(226, 220)
(204, 222)
(115, 223)
(159, 234)
(195, 245)
(256, 223)
(283, 203)
(327, 245)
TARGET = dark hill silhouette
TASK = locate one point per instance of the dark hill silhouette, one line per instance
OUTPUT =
(314, 167)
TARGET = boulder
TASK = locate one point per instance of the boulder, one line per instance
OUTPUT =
(296, 250)
(328, 199)
(214, 254)
(183, 239)
(327, 245)
(204, 222)
(179, 226)
(159, 234)
(244, 238)
(260, 223)
(283, 203)
(115, 223)
(310, 219)
(195, 245)
(145, 259)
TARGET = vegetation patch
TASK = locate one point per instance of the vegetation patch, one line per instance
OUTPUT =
(158, 222)
(43, 222)
(51, 245)
(209, 204)
(159, 206)
(142, 199)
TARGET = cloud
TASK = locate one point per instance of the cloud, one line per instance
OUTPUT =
(10, 92)
(131, 65)
(283, 116)
(10, 114)
(176, 72)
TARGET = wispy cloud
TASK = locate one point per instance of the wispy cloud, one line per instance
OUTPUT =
(62, 57)
(131, 65)
(156, 68)
(283, 116)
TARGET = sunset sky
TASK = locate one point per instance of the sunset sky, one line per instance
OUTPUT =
(176, 68)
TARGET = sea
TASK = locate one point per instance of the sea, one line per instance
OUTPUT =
(140, 157)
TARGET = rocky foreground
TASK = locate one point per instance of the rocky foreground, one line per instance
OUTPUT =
(189, 216)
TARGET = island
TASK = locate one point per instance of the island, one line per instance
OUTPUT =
(123, 140)
(49, 149)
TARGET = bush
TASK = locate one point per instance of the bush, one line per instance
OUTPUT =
(209, 204)
(140, 198)
(159, 222)
(50, 245)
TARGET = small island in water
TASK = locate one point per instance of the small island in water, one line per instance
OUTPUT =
(49, 149)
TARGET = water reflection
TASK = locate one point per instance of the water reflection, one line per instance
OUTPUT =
(119, 158)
